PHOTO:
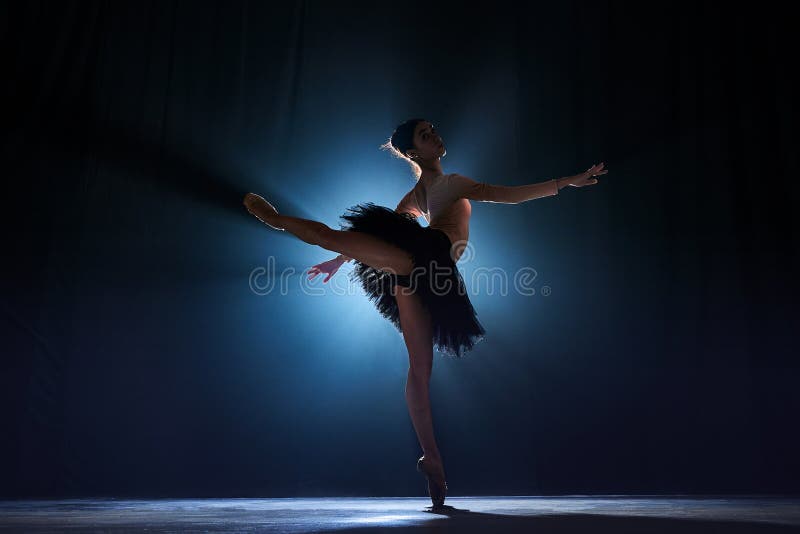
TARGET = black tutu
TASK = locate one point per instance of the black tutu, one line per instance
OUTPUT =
(456, 328)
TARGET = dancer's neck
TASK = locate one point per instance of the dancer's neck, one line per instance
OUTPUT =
(431, 169)
(430, 178)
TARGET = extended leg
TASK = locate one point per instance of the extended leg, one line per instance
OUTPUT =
(367, 249)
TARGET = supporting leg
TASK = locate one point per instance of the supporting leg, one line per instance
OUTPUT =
(419, 408)
(418, 335)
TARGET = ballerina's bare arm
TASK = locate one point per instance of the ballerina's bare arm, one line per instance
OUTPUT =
(463, 187)
(459, 186)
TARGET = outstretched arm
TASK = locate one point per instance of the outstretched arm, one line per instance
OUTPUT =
(464, 187)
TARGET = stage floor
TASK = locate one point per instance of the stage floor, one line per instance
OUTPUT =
(618, 514)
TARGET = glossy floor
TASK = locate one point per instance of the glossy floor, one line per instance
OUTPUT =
(619, 514)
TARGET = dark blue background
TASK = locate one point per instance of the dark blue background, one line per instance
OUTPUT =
(136, 359)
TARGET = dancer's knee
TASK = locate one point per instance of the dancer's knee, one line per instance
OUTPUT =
(420, 372)
(420, 360)
(326, 236)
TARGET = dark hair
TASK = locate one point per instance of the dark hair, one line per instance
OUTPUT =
(402, 139)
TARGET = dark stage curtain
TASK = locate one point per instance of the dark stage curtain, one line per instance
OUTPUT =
(131, 130)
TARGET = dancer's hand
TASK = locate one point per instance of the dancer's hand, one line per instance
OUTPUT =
(329, 267)
(586, 178)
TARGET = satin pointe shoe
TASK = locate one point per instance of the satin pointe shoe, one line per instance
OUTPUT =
(437, 486)
(263, 210)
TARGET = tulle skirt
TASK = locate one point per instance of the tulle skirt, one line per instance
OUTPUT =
(435, 277)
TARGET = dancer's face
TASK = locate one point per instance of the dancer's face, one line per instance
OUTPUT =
(427, 142)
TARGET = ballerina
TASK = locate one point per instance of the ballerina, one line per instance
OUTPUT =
(396, 258)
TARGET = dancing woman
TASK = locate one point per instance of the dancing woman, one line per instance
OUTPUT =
(399, 263)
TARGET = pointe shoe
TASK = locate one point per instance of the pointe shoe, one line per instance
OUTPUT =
(437, 486)
(263, 210)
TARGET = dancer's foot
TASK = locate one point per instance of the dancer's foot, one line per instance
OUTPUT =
(263, 210)
(433, 470)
